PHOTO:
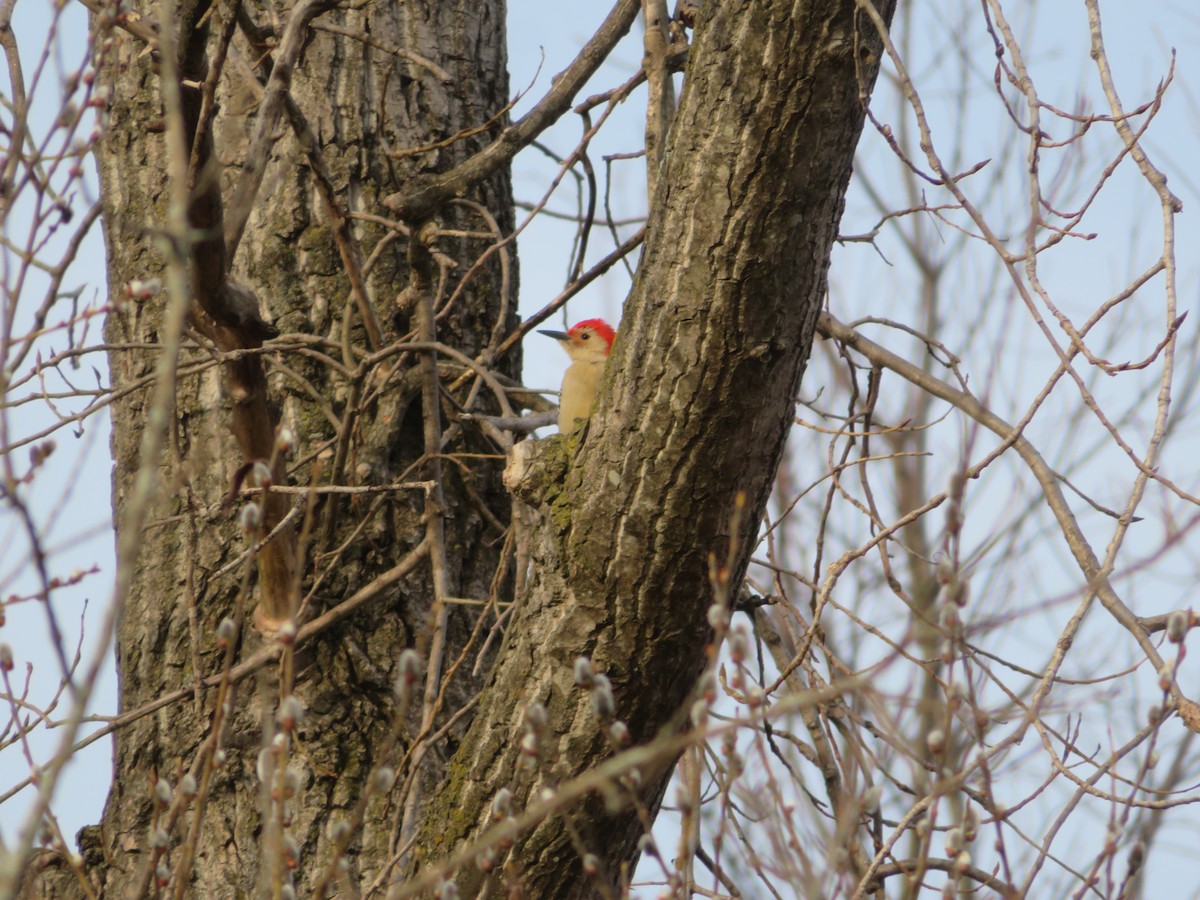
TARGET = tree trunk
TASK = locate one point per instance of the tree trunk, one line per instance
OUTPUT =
(695, 407)
(360, 420)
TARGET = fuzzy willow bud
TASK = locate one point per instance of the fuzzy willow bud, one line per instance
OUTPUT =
(250, 517)
(502, 804)
(383, 779)
(1177, 626)
(602, 698)
(584, 673)
(535, 714)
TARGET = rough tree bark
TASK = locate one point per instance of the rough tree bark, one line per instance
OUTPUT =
(696, 405)
(348, 103)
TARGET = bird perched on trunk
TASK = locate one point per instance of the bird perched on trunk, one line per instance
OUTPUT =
(588, 344)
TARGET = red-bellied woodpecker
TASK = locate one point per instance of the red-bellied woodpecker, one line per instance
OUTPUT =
(587, 343)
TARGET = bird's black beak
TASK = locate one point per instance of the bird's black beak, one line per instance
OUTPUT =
(557, 335)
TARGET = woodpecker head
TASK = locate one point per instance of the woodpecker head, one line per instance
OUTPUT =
(590, 339)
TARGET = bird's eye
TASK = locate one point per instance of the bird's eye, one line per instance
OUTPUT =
(586, 335)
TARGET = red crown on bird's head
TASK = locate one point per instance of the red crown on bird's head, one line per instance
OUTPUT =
(599, 326)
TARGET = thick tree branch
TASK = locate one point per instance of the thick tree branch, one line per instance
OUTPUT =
(231, 316)
(694, 412)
